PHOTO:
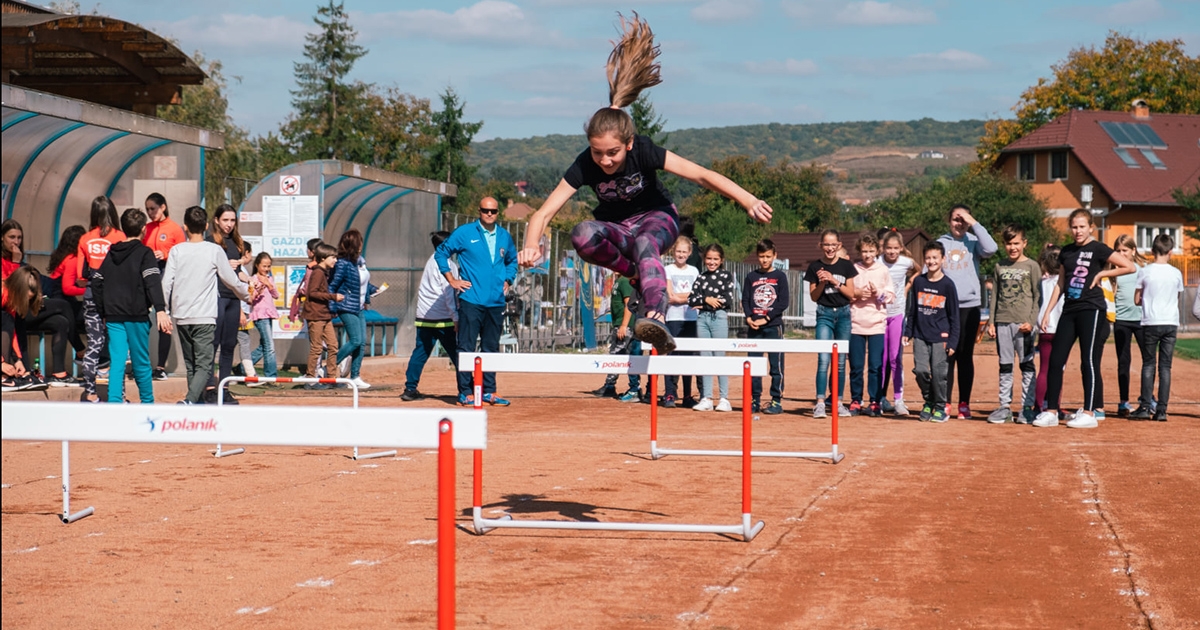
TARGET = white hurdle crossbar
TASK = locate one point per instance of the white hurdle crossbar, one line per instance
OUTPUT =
(616, 364)
(443, 429)
(797, 346)
(286, 379)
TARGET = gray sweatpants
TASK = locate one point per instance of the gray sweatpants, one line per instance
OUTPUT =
(1013, 345)
(196, 344)
(930, 366)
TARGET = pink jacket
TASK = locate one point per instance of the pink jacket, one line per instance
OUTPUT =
(265, 294)
(868, 316)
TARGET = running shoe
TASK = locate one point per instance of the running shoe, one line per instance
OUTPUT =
(875, 410)
(755, 407)
(1123, 410)
(900, 408)
(316, 387)
(1100, 415)
(1046, 419)
(939, 417)
(495, 401)
(9, 384)
(1143, 412)
(688, 402)
(926, 414)
(631, 396)
(61, 381)
(31, 383)
(1000, 416)
(159, 374)
(357, 380)
(855, 408)
(667, 401)
(886, 406)
(843, 412)
(1027, 416)
(605, 391)
(655, 333)
(409, 395)
(774, 409)
(705, 404)
(466, 400)
(964, 411)
(1083, 420)
(819, 409)
(724, 405)
(1160, 413)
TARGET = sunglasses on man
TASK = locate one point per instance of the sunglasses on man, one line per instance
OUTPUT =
(483, 210)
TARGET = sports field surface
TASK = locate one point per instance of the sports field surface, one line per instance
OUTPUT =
(961, 525)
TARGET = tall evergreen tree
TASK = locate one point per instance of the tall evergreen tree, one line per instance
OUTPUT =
(447, 160)
(330, 113)
(646, 121)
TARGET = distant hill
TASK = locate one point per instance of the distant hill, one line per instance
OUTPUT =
(775, 142)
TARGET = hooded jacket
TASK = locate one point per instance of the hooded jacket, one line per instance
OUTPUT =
(128, 283)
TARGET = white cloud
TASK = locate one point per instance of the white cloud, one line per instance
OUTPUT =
(864, 13)
(792, 67)
(949, 60)
(1129, 12)
(224, 32)
(487, 21)
(726, 10)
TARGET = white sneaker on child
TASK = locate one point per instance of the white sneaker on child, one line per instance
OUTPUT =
(361, 383)
(1083, 420)
(705, 404)
(1046, 419)
(724, 405)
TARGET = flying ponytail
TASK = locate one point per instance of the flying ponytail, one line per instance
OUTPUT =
(631, 69)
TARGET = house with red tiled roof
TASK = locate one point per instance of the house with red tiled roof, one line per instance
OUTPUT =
(1131, 162)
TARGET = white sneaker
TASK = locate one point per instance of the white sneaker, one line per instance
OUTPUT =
(344, 367)
(705, 404)
(1046, 419)
(843, 411)
(724, 405)
(361, 383)
(1083, 420)
(901, 410)
(819, 409)
(321, 370)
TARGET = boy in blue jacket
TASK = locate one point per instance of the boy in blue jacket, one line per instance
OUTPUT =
(932, 326)
(487, 264)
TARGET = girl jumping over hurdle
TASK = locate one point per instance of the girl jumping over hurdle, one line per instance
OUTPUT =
(635, 219)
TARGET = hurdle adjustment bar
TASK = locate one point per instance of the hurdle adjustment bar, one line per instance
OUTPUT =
(67, 516)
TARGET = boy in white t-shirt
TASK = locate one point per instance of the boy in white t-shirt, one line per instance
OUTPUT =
(1157, 293)
(681, 318)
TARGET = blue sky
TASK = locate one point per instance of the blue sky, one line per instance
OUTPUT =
(536, 67)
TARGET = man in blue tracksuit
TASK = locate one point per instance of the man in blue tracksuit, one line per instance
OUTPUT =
(487, 264)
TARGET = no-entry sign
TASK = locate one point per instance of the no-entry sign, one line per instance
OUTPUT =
(289, 185)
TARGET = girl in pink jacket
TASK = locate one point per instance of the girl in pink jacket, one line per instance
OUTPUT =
(263, 312)
(873, 290)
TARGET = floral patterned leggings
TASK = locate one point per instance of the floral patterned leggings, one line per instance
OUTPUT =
(632, 248)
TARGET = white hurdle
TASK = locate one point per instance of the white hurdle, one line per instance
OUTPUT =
(443, 429)
(794, 346)
(617, 364)
(286, 379)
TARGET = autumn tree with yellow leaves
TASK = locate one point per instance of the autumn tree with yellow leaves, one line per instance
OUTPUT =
(1158, 72)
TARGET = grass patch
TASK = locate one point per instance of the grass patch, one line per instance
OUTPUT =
(1188, 349)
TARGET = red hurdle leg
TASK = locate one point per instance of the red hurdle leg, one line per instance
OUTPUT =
(446, 515)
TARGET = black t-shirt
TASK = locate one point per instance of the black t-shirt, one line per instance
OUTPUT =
(629, 192)
(232, 253)
(842, 270)
(1080, 264)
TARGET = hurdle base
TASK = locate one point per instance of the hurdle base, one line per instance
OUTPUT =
(67, 519)
(833, 457)
(221, 453)
(747, 529)
(477, 520)
(357, 456)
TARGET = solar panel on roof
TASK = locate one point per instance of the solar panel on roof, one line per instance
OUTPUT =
(1117, 134)
(1148, 131)
(1135, 133)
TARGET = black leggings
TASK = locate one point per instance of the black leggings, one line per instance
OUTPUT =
(964, 355)
(1123, 333)
(58, 320)
(229, 316)
(1091, 328)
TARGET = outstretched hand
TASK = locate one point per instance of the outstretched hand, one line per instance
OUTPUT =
(760, 211)
(529, 257)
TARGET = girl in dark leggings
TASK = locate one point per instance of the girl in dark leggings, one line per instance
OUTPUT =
(224, 232)
(1083, 318)
(635, 219)
(1128, 327)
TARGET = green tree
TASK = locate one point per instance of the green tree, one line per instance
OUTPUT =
(801, 198)
(1159, 72)
(1190, 200)
(330, 111)
(206, 106)
(646, 121)
(995, 201)
(447, 157)
(399, 128)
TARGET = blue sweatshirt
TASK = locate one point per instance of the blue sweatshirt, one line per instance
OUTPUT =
(477, 265)
(933, 311)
